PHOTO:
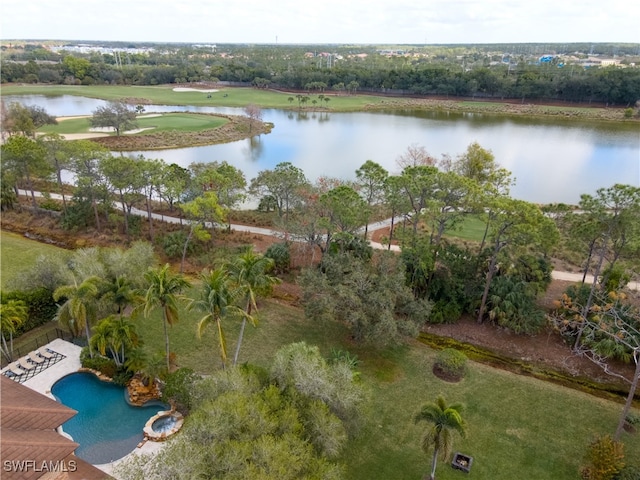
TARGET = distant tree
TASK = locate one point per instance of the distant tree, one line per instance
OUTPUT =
(24, 159)
(415, 156)
(283, 183)
(254, 113)
(116, 114)
(444, 420)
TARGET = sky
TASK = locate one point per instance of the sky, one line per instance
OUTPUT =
(386, 22)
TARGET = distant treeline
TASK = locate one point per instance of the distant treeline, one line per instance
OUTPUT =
(448, 71)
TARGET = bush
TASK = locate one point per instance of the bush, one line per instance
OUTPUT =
(122, 377)
(605, 459)
(42, 307)
(178, 387)
(104, 365)
(281, 256)
(450, 364)
(445, 312)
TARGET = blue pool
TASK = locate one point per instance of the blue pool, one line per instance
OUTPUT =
(106, 426)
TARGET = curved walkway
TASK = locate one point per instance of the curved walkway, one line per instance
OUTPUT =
(556, 274)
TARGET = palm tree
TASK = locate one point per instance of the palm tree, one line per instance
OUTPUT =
(118, 334)
(217, 297)
(121, 293)
(12, 315)
(163, 291)
(444, 419)
(78, 312)
(249, 273)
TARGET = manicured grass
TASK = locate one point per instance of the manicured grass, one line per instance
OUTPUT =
(18, 253)
(519, 427)
(235, 97)
(182, 122)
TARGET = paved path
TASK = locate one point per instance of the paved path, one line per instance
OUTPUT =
(557, 275)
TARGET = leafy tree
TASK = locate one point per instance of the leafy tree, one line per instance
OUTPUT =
(13, 314)
(125, 179)
(283, 183)
(203, 212)
(516, 223)
(164, 292)
(25, 159)
(25, 119)
(444, 420)
(225, 180)
(217, 301)
(371, 178)
(174, 181)
(116, 114)
(369, 296)
(344, 212)
(57, 156)
(249, 271)
(86, 158)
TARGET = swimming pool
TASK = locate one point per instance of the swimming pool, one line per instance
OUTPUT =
(106, 426)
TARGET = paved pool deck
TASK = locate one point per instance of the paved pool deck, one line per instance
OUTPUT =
(43, 382)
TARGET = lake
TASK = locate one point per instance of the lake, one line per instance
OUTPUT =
(553, 160)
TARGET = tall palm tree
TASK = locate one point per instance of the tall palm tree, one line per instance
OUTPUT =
(249, 272)
(79, 310)
(164, 291)
(444, 419)
(217, 296)
(12, 315)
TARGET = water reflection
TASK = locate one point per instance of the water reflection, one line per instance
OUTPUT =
(553, 160)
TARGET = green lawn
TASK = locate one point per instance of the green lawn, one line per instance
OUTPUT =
(519, 427)
(18, 253)
(182, 122)
(227, 97)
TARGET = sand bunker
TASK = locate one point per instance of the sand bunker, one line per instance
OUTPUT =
(185, 89)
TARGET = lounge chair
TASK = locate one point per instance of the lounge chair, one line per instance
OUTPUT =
(44, 353)
(24, 364)
(14, 371)
(35, 358)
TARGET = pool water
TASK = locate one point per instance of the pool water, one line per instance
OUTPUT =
(106, 426)
(164, 424)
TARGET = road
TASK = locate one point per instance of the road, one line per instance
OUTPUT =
(556, 274)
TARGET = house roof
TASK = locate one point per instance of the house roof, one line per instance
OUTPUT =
(28, 437)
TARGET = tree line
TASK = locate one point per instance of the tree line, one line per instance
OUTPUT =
(470, 74)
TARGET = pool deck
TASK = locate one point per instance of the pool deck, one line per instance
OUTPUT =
(43, 382)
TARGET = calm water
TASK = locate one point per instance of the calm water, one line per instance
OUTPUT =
(553, 160)
(106, 426)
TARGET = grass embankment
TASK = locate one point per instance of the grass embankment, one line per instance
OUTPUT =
(241, 97)
(519, 427)
(171, 130)
(18, 254)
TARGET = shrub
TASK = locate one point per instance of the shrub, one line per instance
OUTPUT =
(450, 364)
(604, 459)
(178, 387)
(445, 312)
(42, 307)
(104, 365)
(122, 377)
(281, 256)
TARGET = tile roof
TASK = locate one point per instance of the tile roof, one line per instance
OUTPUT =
(30, 447)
